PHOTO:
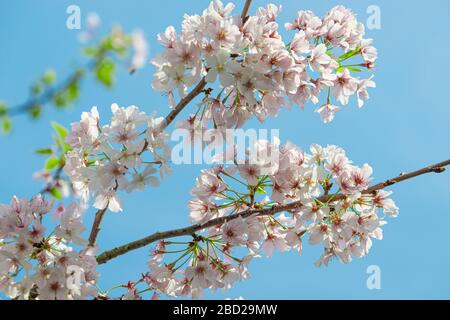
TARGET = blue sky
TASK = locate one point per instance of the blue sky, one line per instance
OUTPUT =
(403, 127)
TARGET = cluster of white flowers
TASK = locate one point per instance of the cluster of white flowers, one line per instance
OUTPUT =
(34, 265)
(255, 71)
(140, 48)
(105, 160)
(270, 199)
(330, 207)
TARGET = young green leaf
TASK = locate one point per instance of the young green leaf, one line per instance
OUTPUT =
(49, 77)
(3, 108)
(90, 52)
(67, 96)
(56, 193)
(6, 124)
(260, 190)
(35, 111)
(52, 163)
(105, 72)
(353, 69)
(44, 151)
(60, 130)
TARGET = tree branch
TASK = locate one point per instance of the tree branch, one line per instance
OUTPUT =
(200, 86)
(51, 92)
(167, 121)
(183, 103)
(96, 226)
(245, 10)
(186, 231)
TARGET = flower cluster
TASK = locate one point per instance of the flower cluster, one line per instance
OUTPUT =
(104, 160)
(321, 195)
(34, 265)
(255, 71)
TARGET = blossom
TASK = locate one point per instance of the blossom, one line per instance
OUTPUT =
(344, 86)
(235, 232)
(327, 112)
(140, 48)
(328, 203)
(105, 160)
(217, 65)
(361, 91)
(47, 259)
(256, 72)
(71, 226)
(201, 275)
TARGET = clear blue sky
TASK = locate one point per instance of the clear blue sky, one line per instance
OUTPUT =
(403, 127)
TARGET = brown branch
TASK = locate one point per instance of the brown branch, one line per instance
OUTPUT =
(245, 10)
(199, 88)
(168, 120)
(56, 176)
(52, 92)
(96, 226)
(186, 231)
(183, 103)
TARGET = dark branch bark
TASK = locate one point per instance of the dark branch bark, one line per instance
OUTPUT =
(183, 103)
(96, 227)
(167, 121)
(245, 10)
(186, 231)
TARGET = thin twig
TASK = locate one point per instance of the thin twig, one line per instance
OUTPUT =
(51, 92)
(245, 10)
(183, 103)
(55, 178)
(96, 226)
(167, 121)
(186, 231)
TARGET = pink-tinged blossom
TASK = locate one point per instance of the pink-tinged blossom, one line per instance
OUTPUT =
(140, 48)
(361, 91)
(344, 86)
(47, 260)
(327, 112)
(256, 72)
(105, 160)
(235, 232)
(201, 275)
(344, 226)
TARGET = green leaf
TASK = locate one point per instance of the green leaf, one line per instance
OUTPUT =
(52, 163)
(60, 130)
(56, 193)
(73, 91)
(260, 190)
(49, 77)
(349, 54)
(35, 111)
(44, 151)
(36, 89)
(353, 69)
(105, 72)
(6, 124)
(3, 108)
(90, 52)
(67, 96)
(118, 47)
